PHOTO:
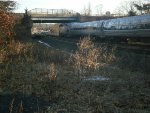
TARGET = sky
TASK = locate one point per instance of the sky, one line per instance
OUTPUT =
(76, 5)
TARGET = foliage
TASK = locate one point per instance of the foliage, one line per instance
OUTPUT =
(26, 20)
(6, 23)
(6, 20)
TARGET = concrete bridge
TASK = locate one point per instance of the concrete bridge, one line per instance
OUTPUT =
(39, 15)
(53, 15)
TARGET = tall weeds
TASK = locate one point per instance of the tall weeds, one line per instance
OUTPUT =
(7, 23)
(29, 68)
(16, 51)
(89, 57)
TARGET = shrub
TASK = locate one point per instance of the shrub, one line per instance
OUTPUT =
(7, 24)
(85, 58)
(6, 20)
(90, 57)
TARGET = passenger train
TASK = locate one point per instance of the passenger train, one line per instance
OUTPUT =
(129, 27)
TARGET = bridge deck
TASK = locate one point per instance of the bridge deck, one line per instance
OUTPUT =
(53, 15)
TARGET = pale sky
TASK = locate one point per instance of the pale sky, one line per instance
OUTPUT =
(76, 5)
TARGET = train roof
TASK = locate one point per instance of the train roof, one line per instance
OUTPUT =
(128, 21)
(124, 21)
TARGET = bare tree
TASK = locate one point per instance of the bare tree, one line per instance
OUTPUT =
(87, 11)
(83, 11)
(142, 6)
(126, 8)
(99, 9)
(139, 6)
(146, 8)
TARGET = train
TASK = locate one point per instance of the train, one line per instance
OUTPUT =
(134, 27)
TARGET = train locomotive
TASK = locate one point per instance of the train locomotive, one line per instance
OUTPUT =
(129, 27)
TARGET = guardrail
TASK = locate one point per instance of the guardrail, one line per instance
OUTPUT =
(39, 12)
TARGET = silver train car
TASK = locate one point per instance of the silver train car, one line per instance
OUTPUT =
(133, 27)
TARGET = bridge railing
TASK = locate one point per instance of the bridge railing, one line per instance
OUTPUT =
(39, 12)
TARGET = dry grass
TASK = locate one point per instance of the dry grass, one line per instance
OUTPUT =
(85, 59)
(89, 58)
(119, 94)
(26, 66)
(134, 62)
(33, 69)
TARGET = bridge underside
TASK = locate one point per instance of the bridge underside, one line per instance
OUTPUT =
(54, 20)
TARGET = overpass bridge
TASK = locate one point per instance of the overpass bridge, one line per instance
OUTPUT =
(39, 15)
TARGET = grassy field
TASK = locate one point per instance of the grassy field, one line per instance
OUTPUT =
(38, 79)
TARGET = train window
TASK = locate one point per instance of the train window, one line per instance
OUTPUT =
(147, 26)
(85, 28)
(142, 26)
(113, 28)
(95, 28)
(138, 26)
(76, 29)
(61, 25)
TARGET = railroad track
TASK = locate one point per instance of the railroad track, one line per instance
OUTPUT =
(135, 49)
(139, 48)
(132, 48)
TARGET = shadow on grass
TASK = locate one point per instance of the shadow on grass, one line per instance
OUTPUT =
(20, 103)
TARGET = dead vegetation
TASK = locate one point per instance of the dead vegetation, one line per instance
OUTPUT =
(35, 70)
(89, 58)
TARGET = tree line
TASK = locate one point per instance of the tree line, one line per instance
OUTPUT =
(125, 8)
(132, 8)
